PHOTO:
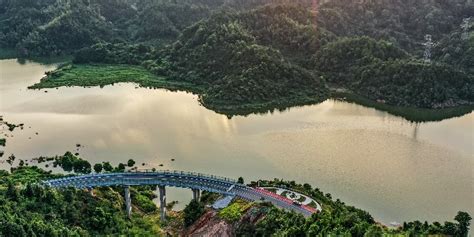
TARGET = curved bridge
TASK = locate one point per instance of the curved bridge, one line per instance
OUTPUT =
(180, 179)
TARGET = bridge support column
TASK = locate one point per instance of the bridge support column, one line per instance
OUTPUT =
(162, 192)
(128, 201)
(196, 194)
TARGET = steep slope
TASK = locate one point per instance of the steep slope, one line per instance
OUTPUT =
(340, 59)
(234, 59)
(404, 23)
(415, 84)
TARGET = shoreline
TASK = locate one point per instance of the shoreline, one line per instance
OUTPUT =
(144, 78)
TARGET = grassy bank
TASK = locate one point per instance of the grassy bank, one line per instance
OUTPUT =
(102, 75)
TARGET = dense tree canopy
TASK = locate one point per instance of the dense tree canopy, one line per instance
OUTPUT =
(405, 83)
(29, 209)
(339, 219)
(339, 60)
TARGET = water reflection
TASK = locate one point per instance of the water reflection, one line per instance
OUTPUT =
(395, 169)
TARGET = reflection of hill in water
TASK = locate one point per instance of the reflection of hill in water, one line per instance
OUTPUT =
(410, 114)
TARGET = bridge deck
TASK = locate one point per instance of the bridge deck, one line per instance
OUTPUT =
(179, 179)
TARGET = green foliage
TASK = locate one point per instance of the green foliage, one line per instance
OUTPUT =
(251, 56)
(101, 75)
(234, 211)
(3, 141)
(340, 60)
(98, 168)
(464, 220)
(410, 113)
(144, 200)
(403, 23)
(192, 212)
(120, 168)
(24, 175)
(130, 163)
(339, 219)
(209, 198)
(226, 54)
(50, 27)
(107, 166)
(28, 209)
(53, 28)
(457, 49)
(115, 54)
(406, 83)
(70, 162)
(381, 72)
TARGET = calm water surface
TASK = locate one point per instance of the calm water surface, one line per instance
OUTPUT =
(395, 169)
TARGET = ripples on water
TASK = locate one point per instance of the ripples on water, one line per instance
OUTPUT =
(395, 169)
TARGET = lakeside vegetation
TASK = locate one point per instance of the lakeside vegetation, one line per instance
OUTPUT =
(409, 113)
(107, 74)
(30, 209)
(72, 212)
(339, 219)
(88, 75)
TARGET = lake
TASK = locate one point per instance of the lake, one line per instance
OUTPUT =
(395, 169)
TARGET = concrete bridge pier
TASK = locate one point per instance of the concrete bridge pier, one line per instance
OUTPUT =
(128, 201)
(196, 194)
(162, 192)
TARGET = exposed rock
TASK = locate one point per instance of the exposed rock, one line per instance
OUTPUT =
(210, 225)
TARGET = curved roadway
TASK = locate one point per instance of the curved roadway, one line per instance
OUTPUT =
(180, 179)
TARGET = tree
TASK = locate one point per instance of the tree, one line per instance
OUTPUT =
(12, 229)
(12, 191)
(449, 228)
(240, 180)
(82, 166)
(98, 168)
(107, 167)
(464, 220)
(120, 167)
(130, 163)
(192, 212)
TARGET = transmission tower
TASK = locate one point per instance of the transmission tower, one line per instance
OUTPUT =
(428, 46)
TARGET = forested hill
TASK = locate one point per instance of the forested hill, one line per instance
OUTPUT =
(67, 25)
(52, 27)
(260, 54)
(403, 22)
